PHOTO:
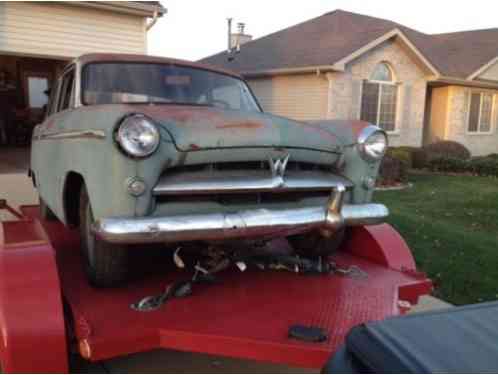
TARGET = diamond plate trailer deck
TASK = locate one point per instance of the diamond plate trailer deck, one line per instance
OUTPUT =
(243, 315)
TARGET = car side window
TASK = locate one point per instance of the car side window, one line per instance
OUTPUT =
(66, 91)
(52, 103)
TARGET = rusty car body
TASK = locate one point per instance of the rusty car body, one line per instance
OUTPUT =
(138, 149)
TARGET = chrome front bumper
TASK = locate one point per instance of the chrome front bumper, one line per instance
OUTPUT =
(243, 224)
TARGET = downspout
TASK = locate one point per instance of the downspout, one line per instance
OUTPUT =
(329, 96)
(153, 21)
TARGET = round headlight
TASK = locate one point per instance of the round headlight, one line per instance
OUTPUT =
(138, 136)
(372, 143)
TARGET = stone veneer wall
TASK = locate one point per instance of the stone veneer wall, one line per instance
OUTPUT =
(345, 91)
(457, 125)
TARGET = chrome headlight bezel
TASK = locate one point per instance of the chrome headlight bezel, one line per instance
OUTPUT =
(147, 138)
(372, 143)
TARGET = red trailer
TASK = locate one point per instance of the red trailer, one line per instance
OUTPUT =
(47, 308)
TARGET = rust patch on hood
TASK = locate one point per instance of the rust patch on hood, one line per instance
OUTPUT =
(184, 114)
(199, 128)
(240, 125)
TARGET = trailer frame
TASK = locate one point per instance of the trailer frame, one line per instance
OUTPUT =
(47, 309)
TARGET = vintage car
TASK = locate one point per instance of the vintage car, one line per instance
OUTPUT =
(140, 150)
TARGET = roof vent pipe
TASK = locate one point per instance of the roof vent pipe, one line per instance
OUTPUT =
(229, 21)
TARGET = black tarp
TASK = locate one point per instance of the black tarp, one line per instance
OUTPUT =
(455, 340)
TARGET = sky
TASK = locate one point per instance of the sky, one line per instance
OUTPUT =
(193, 29)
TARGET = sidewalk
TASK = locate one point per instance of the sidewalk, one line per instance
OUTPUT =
(18, 190)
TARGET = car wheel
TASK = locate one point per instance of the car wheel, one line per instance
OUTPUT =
(106, 264)
(313, 244)
(46, 213)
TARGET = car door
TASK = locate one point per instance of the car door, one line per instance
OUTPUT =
(50, 157)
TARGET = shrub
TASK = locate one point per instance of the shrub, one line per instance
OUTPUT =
(391, 171)
(485, 166)
(481, 166)
(446, 149)
(492, 156)
(404, 156)
(410, 149)
(446, 164)
(419, 158)
(414, 157)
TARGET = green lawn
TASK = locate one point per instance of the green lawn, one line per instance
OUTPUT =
(451, 225)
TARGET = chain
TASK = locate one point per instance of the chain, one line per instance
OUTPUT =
(151, 303)
(201, 273)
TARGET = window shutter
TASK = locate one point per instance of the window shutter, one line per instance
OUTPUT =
(355, 99)
(495, 110)
(407, 105)
(466, 108)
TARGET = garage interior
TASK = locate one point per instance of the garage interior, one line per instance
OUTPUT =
(24, 82)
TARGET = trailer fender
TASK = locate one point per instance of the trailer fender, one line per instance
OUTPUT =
(381, 244)
(32, 332)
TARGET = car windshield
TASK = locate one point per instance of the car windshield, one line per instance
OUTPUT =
(116, 83)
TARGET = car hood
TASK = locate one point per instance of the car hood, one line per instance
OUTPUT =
(194, 128)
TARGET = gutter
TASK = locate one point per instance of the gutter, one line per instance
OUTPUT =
(127, 7)
(317, 69)
(463, 82)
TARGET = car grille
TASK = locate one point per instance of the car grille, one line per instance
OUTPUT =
(246, 183)
(243, 198)
(250, 165)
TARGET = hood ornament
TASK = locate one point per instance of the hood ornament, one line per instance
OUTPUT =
(278, 167)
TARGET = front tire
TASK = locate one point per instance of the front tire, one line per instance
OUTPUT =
(313, 244)
(106, 264)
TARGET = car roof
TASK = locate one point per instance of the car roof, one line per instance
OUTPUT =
(121, 57)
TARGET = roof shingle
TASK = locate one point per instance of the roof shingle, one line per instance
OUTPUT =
(326, 39)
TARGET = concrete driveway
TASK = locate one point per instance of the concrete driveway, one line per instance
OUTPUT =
(14, 159)
(17, 189)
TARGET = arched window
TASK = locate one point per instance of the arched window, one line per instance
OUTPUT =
(379, 98)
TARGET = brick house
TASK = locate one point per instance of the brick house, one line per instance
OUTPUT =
(420, 88)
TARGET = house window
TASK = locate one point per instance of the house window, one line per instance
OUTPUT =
(480, 112)
(379, 98)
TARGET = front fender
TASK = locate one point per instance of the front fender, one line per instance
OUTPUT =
(355, 167)
(102, 166)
